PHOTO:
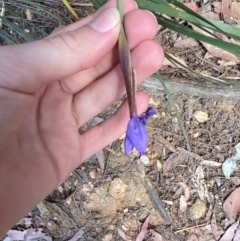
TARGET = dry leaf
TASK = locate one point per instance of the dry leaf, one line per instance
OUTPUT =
(143, 231)
(101, 160)
(27, 222)
(123, 235)
(16, 235)
(215, 51)
(192, 237)
(186, 43)
(199, 173)
(212, 15)
(184, 198)
(211, 163)
(232, 204)
(33, 234)
(237, 234)
(198, 181)
(77, 235)
(216, 233)
(198, 232)
(174, 65)
(229, 234)
(157, 236)
(174, 160)
(235, 13)
(226, 10)
(182, 204)
(235, 180)
(192, 6)
(228, 63)
(230, 163)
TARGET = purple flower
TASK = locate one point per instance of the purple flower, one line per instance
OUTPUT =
(136, 136)
(146, 115)
(150, 112)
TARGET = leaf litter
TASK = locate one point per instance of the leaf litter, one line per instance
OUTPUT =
(230, 163)
(184, 198)
(231, 205)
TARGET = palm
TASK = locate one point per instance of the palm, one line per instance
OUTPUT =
(46, 100)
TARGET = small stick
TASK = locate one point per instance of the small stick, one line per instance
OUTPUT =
(71, 10)
(156, 202)
(187, 228)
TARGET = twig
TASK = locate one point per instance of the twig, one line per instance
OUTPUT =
(71, 10)
(156, 202)
(191, 154)
(83, 4)
(187, 228)
(2, 13)
(167, 144)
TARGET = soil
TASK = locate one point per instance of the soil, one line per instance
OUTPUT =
(100, 199)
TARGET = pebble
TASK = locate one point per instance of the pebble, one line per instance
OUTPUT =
(144, 159)
(197, 210)
(201, 116)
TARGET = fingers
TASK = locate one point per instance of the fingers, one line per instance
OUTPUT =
(140, 25)
(27, 67)
(129, 5)
(147, 58)
(108, 131)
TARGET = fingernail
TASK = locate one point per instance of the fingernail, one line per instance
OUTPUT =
(107, 20)
(153, 16)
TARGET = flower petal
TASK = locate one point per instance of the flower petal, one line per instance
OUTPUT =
(128, 146)
(137, 134)
(150, 112)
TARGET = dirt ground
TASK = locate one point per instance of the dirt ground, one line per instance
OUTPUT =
(183, 181)
(101, 201)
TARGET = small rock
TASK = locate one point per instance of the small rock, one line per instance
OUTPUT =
(154, 102)
(159, 166)
(196, 135)
(201, 116)
(69, 201)
(107, 237)
(144, 159)
(29, 14)
(93, 174)
(75, 182)
(197, 210)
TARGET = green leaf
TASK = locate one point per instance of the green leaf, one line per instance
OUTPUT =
(8, 38)
(230, 47)
(163, 7)
(17, 29)
(98, 3)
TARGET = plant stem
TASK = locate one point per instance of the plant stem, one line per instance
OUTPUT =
(68, 6)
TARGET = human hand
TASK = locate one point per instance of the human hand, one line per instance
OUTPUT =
(51, 87)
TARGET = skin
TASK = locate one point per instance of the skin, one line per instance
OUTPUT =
(51, 87)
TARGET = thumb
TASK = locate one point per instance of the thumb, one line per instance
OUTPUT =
(28, 66)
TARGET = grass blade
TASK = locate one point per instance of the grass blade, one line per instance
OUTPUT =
(17, 29)
(230, 47)
(173, 105)
(162, 7)
(8, 38)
